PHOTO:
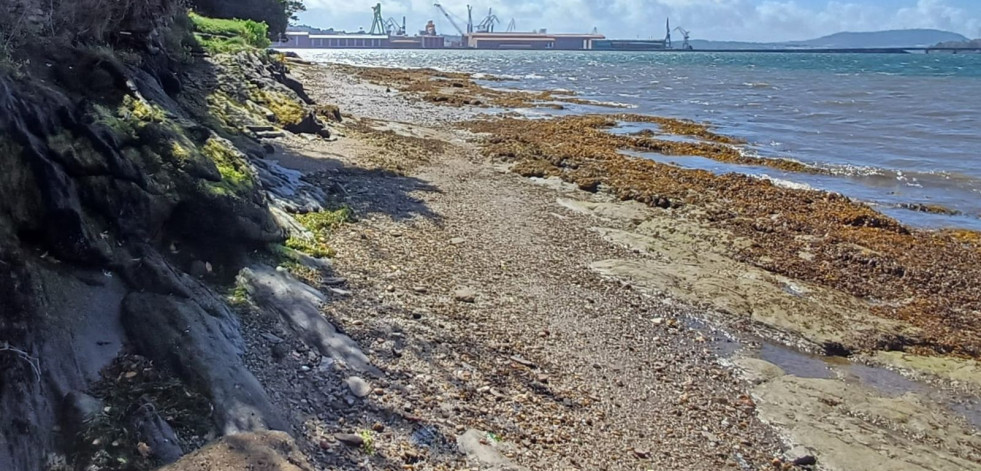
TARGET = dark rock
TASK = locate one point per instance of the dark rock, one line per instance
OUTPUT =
(807, 460)
(308, 125)
(279, 351)
(198, 269)
(201, 347)
(78, 409)
(350, 439)
(157, 434)
(271, 338)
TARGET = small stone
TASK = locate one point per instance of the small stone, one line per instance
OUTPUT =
(806, 460)
(379, 392)
(198, 269)
(350, 439)
(358, 386)
(378, 427)
(642, 453)
(420, 289)
(324, 444)
(272, 338)
(335, 281)
(457, 240)
(523, 362)
(465, 295)
(280, 350)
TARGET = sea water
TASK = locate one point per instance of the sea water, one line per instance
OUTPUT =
(892, 130)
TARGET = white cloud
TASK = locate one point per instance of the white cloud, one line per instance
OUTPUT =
(748, 20)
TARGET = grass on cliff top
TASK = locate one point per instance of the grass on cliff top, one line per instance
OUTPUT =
(219, 36)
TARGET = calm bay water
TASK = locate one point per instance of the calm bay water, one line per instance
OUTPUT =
(892, 130)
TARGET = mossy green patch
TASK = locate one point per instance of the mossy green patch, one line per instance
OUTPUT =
(287, 110)
(313, 248)
(236, 175)
(321, 224)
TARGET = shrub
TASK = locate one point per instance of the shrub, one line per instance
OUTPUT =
(250, 32)
(275, 13)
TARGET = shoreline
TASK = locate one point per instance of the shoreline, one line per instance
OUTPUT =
(860, 183)
(226, 259)
(684, 268)
(808, 235)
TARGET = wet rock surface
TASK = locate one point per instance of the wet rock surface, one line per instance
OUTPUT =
(299, 306)
(196, 344)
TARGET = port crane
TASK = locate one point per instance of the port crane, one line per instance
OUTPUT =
(487, 25)
(394, 28)
(512, 26)
(686, 34)
(378, 23)
(450, 18)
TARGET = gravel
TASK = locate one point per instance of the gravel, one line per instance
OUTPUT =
(562, 368)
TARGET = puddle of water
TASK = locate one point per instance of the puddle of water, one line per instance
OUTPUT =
(794, 362)
(886, 382)
(624, 128)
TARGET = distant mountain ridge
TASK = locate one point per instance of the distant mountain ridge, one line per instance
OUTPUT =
(848, 40)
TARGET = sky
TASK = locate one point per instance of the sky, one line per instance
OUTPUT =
(736, 20)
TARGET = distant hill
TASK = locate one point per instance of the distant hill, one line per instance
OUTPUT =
(876, 39)
(895, 38)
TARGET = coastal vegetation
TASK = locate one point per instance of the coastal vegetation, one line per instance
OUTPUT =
(229, 35)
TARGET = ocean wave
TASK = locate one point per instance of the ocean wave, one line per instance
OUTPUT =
(783, 183)
(758, 85)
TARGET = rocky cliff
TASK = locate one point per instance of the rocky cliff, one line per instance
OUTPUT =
(133, 184)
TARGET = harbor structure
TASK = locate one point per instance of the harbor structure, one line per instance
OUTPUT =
(391, 34)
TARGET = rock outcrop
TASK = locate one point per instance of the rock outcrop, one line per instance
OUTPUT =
(123, 170)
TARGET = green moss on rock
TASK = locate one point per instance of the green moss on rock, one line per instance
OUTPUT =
(237, 177)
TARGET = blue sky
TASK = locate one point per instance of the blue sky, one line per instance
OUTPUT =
(744, 20)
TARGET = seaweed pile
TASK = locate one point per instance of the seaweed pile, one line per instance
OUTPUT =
(932, 280)
(459, 89)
